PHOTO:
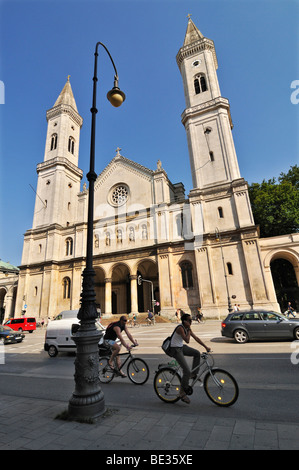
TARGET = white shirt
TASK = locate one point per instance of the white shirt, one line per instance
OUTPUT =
(176, 340)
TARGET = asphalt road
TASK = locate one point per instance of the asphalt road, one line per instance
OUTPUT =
(267, 374)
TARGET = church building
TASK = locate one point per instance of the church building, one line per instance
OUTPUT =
(186, 251)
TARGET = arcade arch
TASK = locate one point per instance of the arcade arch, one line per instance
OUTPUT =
(284, 267)
(148, 270)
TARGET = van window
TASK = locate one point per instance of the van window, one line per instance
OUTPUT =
(31, 320)
(17, 320)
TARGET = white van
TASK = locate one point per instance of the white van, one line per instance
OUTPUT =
(59, 336)
(66, 314)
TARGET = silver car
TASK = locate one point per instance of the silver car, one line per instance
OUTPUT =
(246, 325)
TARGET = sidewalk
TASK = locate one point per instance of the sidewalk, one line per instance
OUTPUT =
(30, 424)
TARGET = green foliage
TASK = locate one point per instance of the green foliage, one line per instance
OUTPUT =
(275, 205)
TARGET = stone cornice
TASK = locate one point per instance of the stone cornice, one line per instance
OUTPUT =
(59, 161)
(194, 48)
(65, 109)
(216, 103)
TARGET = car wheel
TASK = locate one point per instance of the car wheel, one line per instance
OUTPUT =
(52, 351)
(296, 333)
(241, 336)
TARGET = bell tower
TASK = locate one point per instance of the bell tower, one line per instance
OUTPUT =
(207, 121)
(59, 176)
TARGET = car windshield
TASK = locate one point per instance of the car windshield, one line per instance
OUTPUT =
(5, 328)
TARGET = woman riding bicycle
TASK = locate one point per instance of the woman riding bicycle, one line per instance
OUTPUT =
(178, 350)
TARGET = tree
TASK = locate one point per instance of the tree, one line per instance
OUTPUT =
(275, 205)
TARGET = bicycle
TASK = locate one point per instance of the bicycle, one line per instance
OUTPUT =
(133, 323)
(220, 386)
(137, 368)
(199, 319)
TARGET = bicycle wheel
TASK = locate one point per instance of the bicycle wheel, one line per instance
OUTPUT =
(138, 371)
(167, 384)
(221, 387)
(105, 372)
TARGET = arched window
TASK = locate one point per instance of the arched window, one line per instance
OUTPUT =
(187, 274)
(53, 141)
(69, 246)
(203, 84)
(196, 86)
(220, 212)
(229, 268)
(200, 84)
(71, 146)
(66, 284)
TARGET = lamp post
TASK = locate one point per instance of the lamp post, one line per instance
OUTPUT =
(140, 280)
(218, 238)
(87, 401)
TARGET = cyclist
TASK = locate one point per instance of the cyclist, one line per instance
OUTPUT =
(179, 350)
(114, 332)
(199, 315)
(150, 318)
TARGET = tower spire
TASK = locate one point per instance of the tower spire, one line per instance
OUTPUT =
(66, 96)
(192, 34)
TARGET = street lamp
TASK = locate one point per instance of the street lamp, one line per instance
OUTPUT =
(140, 280)
(218, 238)
(87, 401)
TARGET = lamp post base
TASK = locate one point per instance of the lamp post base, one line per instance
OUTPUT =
(87, 401)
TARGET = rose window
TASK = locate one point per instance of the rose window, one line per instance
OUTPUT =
(119, 195)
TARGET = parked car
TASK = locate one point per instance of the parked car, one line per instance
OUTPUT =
(22, 324)
(7, 335)
(247, 325)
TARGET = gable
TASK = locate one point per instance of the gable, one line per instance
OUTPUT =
(123, 184)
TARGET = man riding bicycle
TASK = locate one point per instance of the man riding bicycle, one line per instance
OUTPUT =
(178, 350)
(114, 332)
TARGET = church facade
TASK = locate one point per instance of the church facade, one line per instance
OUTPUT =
(197, 250)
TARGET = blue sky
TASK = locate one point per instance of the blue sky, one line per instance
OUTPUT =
(42, 42)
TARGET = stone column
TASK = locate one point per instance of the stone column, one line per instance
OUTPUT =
(108, 298)
(134, 294)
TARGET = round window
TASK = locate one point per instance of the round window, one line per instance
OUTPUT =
(119, 195)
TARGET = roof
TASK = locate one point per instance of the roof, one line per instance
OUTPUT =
(192, 34)
(66, 96)
(7, 267)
